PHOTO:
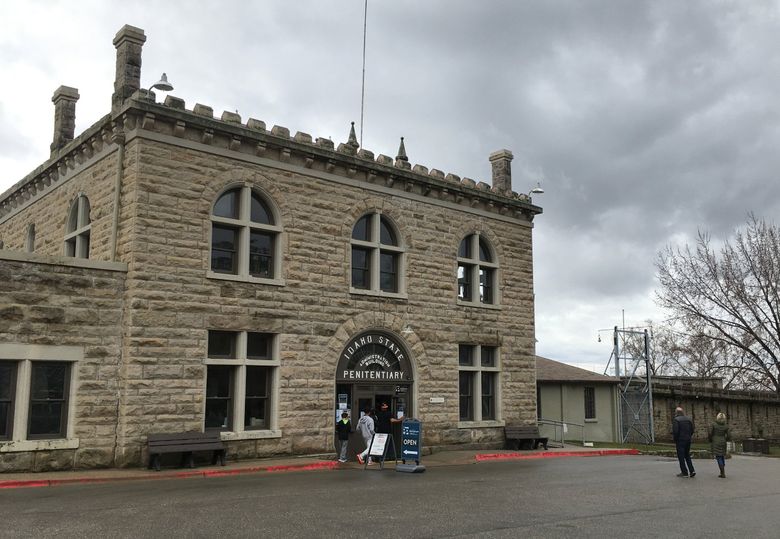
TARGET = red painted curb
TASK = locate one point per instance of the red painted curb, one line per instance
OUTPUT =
(526, 456)
(327, 465)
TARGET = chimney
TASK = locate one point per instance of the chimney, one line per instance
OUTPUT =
(501, 161)
(64, 100)
(128, 42)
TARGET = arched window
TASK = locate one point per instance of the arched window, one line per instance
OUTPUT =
(30, 238)
(477, 271)
(377, 255)
(244, 235)
(78, 228)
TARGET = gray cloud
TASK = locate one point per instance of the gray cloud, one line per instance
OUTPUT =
(644, 121)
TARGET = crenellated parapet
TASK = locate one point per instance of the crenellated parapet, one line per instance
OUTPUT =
(65, 162)
(253, 139)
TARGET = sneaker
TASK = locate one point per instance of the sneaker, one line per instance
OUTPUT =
(360, 458)
(342, 460)
(682, 475)
(693, 474)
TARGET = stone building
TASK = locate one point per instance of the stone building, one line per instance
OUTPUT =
(167, 270)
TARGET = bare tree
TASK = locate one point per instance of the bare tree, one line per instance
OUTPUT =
(730, 301)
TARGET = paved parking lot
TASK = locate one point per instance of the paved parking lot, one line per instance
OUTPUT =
(614, 496)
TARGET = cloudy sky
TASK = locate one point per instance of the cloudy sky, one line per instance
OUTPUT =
(643, 121)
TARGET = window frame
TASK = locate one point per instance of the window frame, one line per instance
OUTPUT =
(24, 357)
(589, 398)
(375, 249)
(239, 364)
(472, 268)
(31, 402)
(78, 229)
(11, 401)
(244, 227)
(476, 370)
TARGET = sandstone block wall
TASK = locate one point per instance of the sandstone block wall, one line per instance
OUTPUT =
(46, 303)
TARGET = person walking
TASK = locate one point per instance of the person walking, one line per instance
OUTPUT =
(682, 432)
(343, 428)
(719, 435)
(365, 427)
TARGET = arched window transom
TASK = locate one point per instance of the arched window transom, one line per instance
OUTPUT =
(244, 235)
(477, 271)
(77, 231)
(377, 255)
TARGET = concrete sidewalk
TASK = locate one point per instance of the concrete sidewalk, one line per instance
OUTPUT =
(285, 464)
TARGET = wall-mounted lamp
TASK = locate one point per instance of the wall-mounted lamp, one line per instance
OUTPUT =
(162, 84)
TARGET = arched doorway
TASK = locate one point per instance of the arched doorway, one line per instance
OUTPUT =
(374, 368)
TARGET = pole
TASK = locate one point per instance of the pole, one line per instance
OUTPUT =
(649, 386)
(363, 85)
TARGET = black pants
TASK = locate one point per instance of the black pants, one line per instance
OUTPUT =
(684, 456)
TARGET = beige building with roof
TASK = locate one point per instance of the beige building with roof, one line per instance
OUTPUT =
(587, 402)
(170, 271)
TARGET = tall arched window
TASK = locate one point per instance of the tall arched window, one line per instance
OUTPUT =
(244, 235)
(377, 255)
(78, 228)
(477, 271)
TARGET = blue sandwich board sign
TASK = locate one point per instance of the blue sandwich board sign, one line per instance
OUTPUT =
(410, 440)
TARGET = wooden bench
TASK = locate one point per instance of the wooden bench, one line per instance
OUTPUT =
(185, 443)
(524, 437)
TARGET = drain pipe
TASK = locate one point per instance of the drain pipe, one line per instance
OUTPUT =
(118, 137)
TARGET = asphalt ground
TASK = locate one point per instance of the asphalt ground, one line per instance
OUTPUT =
(610, 496)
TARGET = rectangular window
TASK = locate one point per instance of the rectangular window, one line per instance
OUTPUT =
(261, 250)
(219, 397)
(241, 381)
(466, 355)
(360, 268)
(7, 397)
(464, 282)
(590, 403)
(222, 344)
(466, 391)
(488, 395)
(486, 285)
(388, 274)
(256, 405)
(478, 380)
(48, 400)
(224, 243)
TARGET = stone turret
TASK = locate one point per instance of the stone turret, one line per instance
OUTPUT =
(128, 42)
(501, 162)
(64, 100)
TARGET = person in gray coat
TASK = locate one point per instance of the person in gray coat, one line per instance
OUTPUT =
(719, 435)
(682, 432)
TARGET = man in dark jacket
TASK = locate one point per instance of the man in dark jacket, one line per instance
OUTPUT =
(682, 432)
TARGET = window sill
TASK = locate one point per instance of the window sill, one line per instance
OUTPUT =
(478, 305)
(38, 445)
(250, 435)
(591, 421)
(377, 293)
(243, 278)
(481, 424)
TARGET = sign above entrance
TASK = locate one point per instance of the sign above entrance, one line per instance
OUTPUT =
(374, 357)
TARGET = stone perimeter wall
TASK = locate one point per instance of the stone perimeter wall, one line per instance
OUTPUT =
(43, 302)
(748, 414)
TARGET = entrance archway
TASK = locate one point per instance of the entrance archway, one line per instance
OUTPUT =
(374, 368)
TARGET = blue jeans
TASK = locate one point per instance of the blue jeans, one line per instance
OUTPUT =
(721, 459)
(684, 456)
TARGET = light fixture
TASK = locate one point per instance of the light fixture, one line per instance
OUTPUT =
(536, 190)
(162, 84)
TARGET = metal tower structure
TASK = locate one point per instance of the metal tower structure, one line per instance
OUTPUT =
(636, 388)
